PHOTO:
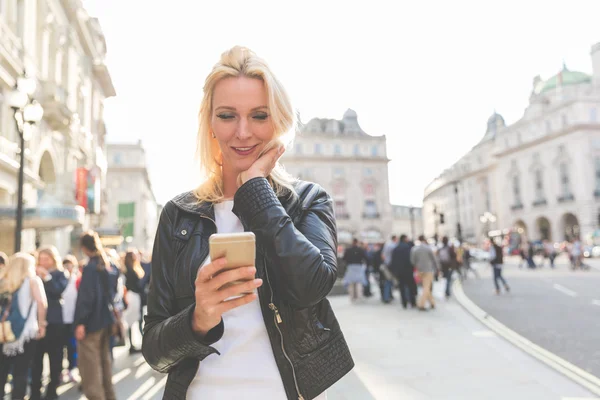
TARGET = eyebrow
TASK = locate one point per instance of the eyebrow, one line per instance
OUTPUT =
(233, 108)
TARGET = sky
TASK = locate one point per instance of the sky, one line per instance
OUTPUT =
(427, 74)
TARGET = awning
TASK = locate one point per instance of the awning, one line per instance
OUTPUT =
(43, 217)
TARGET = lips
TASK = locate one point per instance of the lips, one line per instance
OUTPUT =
(244, 151)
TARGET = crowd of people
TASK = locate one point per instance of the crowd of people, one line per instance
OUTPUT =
(406, 264)
(75, 311)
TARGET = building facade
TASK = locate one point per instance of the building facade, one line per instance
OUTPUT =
(133, 211)
(352, 167)
(59, 45)
(407, 220)
(536, 179)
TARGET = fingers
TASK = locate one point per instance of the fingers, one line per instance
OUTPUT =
(240, 301)
(206, 272)
(238, 289)
(232, 275)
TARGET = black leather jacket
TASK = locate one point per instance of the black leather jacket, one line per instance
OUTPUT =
(296, 243)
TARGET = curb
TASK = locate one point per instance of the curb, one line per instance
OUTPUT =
(583, 378)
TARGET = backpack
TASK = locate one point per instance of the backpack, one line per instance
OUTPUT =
(12, 322)
(444, 254)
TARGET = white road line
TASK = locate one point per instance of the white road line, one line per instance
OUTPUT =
(142, 389)
(155, 389)
(120, 375)
(596, 302)
(142, 370)
(564, 290)
(484, 333)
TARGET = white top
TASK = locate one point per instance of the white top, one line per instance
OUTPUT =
(69, 296)
(246, 368)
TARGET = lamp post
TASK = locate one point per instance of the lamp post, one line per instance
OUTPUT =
(412, 222)
(458, 227)
(27, 112)
(486, 218)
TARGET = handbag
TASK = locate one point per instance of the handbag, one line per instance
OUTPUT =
(118, 331)
(12, 322)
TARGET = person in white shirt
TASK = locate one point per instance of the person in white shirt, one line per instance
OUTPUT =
(281, 341)
(70, 265)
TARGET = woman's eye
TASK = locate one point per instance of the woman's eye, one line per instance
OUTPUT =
(261, 117)
(225, 116)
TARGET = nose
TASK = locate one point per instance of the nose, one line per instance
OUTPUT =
(243, 130)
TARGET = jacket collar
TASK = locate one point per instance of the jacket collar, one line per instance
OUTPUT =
(189, 203)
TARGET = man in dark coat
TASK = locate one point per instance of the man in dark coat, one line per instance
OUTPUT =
(403, 270)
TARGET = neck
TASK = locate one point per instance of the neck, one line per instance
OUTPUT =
(229, 181)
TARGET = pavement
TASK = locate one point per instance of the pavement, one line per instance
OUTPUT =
(403, 354)
(557, 309)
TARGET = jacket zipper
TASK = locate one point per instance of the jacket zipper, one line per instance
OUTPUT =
(277, 319)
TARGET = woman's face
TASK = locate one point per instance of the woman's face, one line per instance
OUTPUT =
(45, 261)
(241, 120)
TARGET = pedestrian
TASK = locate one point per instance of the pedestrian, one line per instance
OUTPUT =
(424, 259)
(354, 278)
(447, 257)
(576, 254)
(386, 255)
(95, 318)
(497, 261)
(20, 287)
(377, 262)
(403, 269)
(368, 269)
(71, 266)
(52, 273)
(219, 343)
(550, 252)
(134, 275)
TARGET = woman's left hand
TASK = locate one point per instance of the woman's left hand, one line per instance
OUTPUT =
(262, 167)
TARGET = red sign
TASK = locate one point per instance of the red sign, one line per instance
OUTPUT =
(81, 185)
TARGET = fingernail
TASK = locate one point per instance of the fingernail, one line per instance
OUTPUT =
(258, 282)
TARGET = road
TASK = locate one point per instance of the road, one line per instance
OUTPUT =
(556, 309)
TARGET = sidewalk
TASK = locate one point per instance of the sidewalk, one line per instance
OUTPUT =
(442, 354)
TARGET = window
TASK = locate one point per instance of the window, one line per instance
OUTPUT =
(356, 150)
(593, 115)
(337, 149)
(539, 185)
(370, 209)
(516, 190)
(338, 189)
(369, 189)
(338, 172)
(317, 148)
(565, 120)
(340, 209)
(374, 151)
(367, 171)
(298, 148)
(564, 180)
(598, 174)
(117, 158)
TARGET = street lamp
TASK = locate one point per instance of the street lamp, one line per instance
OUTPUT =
(487, 218)
(458, 227)
(27, 112)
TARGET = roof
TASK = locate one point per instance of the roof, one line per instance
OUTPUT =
(347, 126)
(565, 77)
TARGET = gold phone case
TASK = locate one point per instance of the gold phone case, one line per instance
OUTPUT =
(238, 248)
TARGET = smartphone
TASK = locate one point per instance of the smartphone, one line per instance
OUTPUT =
(238, 248)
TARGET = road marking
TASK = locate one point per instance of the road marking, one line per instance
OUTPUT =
(142, 389)
(564, 290)
(484, 333)
(596, 302)
(120, 375)
(155, 389)
(142, 370)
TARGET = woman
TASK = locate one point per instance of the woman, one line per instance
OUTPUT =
(282, 340)
(134, 273)
(18, 278)
(94, 319)
(51, 271)
(70, 265)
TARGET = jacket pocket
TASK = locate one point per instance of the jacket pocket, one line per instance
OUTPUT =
(308, 332)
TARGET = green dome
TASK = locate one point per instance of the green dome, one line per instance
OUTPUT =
(568, 78)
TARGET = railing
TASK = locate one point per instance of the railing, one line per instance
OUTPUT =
(9, 148)
(11, 42)
(565, 198)
(371, 215)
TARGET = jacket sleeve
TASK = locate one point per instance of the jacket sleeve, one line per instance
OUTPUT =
(56, 285)
(168, 336)
(303, 259)
(86, 297)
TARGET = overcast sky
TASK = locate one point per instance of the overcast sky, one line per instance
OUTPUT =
(427, 74)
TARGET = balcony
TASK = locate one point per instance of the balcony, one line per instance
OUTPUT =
(56, 112)
(540, 202)
(371, 215)
(11, 45)
(342, 216)
(516, 207)
(566, 198)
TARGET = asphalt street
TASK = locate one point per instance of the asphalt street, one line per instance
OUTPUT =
(558, 309)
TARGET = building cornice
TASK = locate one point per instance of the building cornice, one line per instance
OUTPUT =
(300, 158)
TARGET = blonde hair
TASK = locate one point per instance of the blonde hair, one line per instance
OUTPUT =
(241, 61)
(18, 267)
(52, 252)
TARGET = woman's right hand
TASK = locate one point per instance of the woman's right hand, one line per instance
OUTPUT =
(210, 298)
